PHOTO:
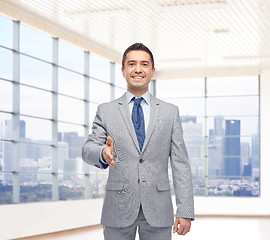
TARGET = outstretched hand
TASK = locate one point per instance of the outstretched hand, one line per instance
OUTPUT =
(107, 152)
(182, 226)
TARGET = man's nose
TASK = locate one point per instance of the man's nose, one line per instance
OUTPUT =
(138, 68)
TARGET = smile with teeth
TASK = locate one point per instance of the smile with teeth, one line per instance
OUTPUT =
(137, 77)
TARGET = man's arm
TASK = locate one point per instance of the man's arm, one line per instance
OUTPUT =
(98, 145)
(182, 179)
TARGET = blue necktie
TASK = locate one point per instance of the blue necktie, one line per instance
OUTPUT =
(138, 121)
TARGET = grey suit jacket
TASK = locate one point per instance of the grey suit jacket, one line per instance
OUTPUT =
(142, 177)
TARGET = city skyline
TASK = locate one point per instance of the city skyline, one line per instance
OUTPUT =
(36, 160)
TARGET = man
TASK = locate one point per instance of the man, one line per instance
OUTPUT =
(136, 135)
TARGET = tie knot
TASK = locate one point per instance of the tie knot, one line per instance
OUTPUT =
(137, 101)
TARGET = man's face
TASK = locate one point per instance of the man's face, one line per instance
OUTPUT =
(138, 71)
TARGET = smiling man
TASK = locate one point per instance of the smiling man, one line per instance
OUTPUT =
(137, 135)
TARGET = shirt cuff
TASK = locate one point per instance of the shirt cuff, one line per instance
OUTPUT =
(102, 162)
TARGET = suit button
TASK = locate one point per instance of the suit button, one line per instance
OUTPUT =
(139, 181)
(141, 161)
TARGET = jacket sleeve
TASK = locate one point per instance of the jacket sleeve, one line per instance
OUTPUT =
(181, 172)
(95, 142)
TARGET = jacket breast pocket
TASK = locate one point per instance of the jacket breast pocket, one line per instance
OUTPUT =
(163, 186)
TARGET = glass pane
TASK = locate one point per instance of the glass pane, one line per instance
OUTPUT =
(232, 106)
(193, 129)
(93, 109)
(70, 83)
(99, 92)
(175, 88)
(36, 155)
(69, 131)
(36, 102)
(199, 185)
(98, 180)
(197, 166)
(35, 43)
(70, 110)
(6, 33)
(37, 130)
(99, 68)
(72, 166)
(195, 147)
(35, 187)
(245, 146)
(70, 143)
(62, 154)
(35, 73)
(6, 64)
(120, 81)
(233, 86)
(71, 186)
(71, 57)
(242, 187)
(5, 188)
(6, 158)
(5, 96)
(248, 125)
(193, 126)
(6, 130)
(189, 107)
(119, 92)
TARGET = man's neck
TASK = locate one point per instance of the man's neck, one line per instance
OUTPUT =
(138, 93)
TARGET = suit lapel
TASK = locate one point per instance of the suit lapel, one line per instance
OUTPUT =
(154, 111)
(124, 109)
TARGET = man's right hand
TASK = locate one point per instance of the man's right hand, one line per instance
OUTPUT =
(107, 152)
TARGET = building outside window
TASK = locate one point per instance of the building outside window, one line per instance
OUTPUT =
(220, 118)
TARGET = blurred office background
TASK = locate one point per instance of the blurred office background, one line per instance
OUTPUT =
(60, 59)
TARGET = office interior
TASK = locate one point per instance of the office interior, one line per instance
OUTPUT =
(60, 59)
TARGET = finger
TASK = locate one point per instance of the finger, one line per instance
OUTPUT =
(109, 141)
(112, 164)
(186, 230)
(175, 227)
(108, 158)
(180, 230)
(181, 227)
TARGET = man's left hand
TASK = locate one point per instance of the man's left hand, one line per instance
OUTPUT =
(182, 226)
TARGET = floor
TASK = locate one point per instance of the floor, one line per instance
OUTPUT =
(206, 228)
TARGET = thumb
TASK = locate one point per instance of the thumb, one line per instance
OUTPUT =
(109, 142)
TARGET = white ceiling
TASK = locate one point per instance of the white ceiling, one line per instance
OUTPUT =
(184, 35)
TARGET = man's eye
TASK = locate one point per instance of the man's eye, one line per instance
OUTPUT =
(131, 64)
(145, 65)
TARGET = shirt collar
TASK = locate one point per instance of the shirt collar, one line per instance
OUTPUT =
(146, 97)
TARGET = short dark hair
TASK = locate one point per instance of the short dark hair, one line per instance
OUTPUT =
(138, 47)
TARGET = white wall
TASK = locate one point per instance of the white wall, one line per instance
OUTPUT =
(23, 220)
(31, 219)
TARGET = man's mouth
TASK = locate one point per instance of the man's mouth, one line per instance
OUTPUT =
(137, 77)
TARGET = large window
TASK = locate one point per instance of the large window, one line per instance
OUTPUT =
(49, 93)
(220, 118)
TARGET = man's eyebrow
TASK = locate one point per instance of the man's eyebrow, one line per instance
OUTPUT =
(143, 61)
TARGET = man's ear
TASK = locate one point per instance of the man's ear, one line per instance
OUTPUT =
(153, 72)
(123, 72)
